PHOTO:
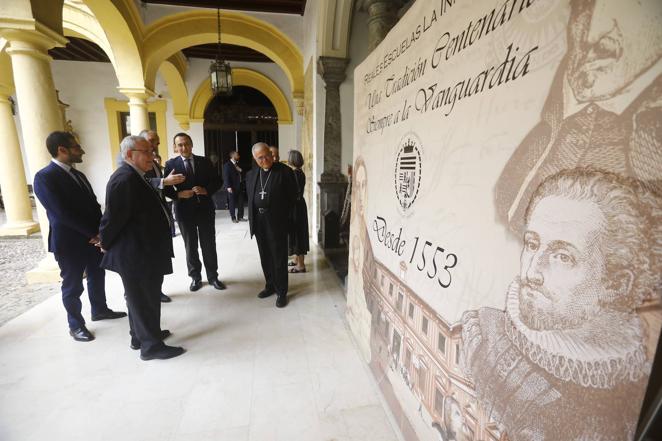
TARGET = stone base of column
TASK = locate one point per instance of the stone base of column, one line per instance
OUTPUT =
(19, 228)
(47, 271)
(332, 195)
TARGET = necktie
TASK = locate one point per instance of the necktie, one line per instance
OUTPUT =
(79, 179)
(189, 167)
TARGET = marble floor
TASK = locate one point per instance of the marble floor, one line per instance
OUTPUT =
(251, 371)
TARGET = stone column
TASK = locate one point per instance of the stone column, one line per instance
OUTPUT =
(39, 112)
(383, 15)
(12, 176)
(332, 182)
(138, 114)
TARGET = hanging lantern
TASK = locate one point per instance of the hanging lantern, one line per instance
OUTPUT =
(220, 71)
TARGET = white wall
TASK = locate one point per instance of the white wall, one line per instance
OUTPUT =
(358, 50)
(84, 86)
(288, 24)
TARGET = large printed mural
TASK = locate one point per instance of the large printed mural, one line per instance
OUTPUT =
(506, 239)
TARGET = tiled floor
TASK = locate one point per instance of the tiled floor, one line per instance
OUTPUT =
(251, 371)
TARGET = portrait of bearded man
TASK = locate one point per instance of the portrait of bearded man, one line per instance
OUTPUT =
(604, 106)
(570, 357)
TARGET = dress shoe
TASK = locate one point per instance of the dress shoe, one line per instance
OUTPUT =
(135, 344)
(195, 285)
(108, 315)
(235, 221)
(163, 353)
(281, 301)
(81, 334)
(217, 284)
(165, 299)
(265, 293)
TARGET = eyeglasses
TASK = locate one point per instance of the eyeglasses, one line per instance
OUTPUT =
(147, 152)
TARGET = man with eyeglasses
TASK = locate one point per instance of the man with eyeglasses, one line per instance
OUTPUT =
(135, 237)
(195, 209)
(73, 215)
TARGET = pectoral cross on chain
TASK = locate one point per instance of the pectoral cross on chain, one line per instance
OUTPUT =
(264, 186)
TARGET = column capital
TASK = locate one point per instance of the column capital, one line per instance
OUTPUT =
(332, 69)
(382, 16)
(137, 93)
(397, 4)
(299, 104)
(32, 39)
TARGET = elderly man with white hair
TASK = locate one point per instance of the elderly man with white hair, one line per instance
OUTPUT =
(135, 238)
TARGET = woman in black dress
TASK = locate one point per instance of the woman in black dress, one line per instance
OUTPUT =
(298, 237)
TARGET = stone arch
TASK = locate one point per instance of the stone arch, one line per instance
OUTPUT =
(243, 77)
(120, 22)
(172, 70)
(78, 22)
(170, 34)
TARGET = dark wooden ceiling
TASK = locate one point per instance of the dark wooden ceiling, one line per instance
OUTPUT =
(229, 52)
(278, 6)
(79, 49)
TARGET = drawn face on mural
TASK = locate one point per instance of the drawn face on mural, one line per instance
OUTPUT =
(612, 43)
(562, 267)
(456, 429)
(361, 188)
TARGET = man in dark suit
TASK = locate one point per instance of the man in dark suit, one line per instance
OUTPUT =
(232, 179)
(73, 215)
(195, 209)
(136, 241)
(159, 182)
(271, 193)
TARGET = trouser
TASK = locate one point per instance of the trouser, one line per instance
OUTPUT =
(72, 268)
(142, 300)
(272, 245)
(236, 202)
(200, 227)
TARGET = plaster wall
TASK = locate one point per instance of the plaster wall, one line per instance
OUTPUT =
(310, 53)
(357, 51)
(289, 24)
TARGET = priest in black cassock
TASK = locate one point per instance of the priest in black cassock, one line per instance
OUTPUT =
(271, 193)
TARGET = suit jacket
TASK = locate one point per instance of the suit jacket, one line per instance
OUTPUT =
(204, 176)
(231, 177)
(135, 230)
(283, 191)
(155, 175)
(628, 144)
(73, 212)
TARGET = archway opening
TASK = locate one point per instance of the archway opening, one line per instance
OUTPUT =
(237, 122)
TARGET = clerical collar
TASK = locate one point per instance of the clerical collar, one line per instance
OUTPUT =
(65, 167)
(606, 351)
(265, 171)
(619, 102)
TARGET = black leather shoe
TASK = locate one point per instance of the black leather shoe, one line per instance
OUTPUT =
(265, 293)
(108, 315)
(281, 301)
(195, 285)
(163, 353)
(81, 334)
(235, 221)
(135, 344)
(217, 284)
(165, 299)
